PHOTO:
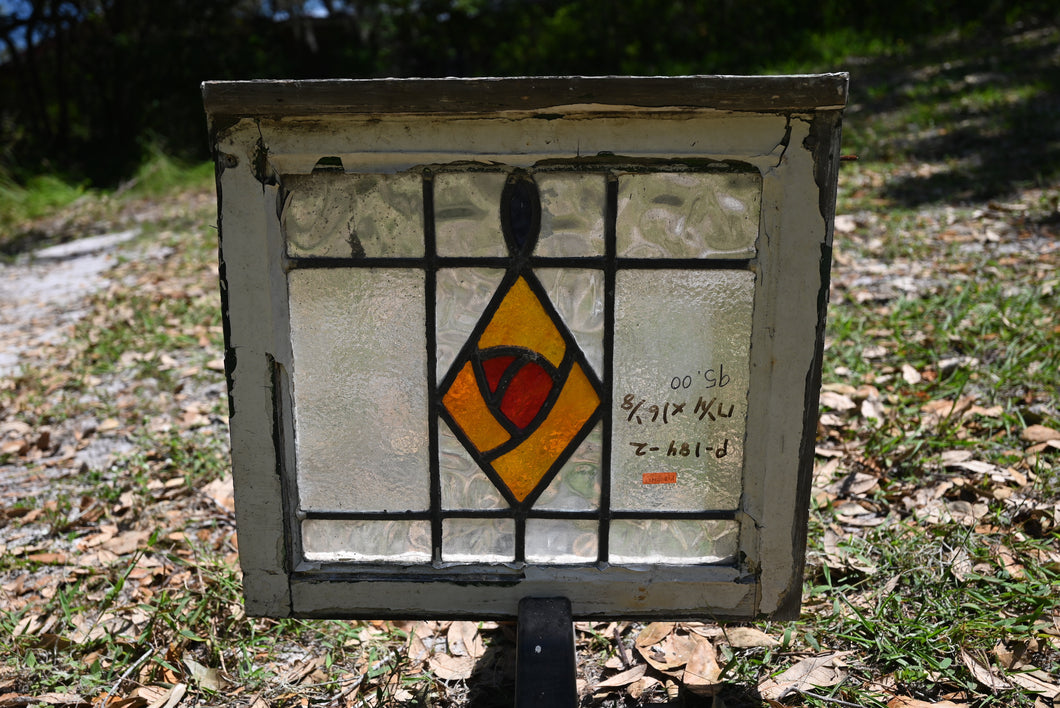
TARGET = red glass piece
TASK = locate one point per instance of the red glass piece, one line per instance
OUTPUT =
(494, 369)
(526, 393)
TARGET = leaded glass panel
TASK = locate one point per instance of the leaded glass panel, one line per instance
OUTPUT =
(533, 457)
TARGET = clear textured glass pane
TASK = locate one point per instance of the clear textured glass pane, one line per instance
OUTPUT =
(672, 541)
(335, 215)
(681, 360)
(478, 540)
(463, 294)
(360, 395)
(688, 215)
(561, 540)
(467, 213)
(576, 487)
(578, 296)
(572, 214)
(464, 485)
(345, 540)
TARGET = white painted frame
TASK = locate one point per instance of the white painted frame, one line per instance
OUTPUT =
(787, 127)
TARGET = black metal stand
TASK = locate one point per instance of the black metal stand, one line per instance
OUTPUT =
(545, 672)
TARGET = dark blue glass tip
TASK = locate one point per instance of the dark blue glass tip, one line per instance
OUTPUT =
(520, 213)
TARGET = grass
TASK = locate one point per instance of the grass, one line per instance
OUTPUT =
(39, 197)
(48, 209)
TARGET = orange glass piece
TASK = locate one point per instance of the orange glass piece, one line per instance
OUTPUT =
(523, 468)
(464, 402)
(521, 321)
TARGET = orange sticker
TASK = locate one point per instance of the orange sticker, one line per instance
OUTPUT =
(659, 478)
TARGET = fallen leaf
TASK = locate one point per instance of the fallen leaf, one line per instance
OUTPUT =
(953, 457)
(172, 698)
(205, 677)
(623, 679)
(960, 564)
(814, 672)
(671, 653)
(1012, 566)
(966, 513)
(841, 558)
(221, 492)
(638, 688)
(1036, 681)
(854, 484)
(10, 700)
(125, 543)
(421, 640)
(654, 633)
(975, 466)
(837, 401)
(47, 558)
(128, 702)
(910, 375)
(873, 410)
(451, 668)
(110, 424)
(702, 670)
(297, 673)
(1042, 447)
(873, 352)
(14, 447)
(748, 637)
(1039, 434)
(983, 674)
(904, 702)
(464, 639)
(1011, 657)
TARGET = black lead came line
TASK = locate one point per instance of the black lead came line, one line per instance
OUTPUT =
(603, 540)
(430, 316)
(512, 512)
(435, 262)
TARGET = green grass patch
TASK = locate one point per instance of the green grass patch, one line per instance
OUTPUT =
(47, 209)
(161, 175)
(40, 196)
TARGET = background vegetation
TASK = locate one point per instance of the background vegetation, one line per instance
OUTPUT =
(89, 87)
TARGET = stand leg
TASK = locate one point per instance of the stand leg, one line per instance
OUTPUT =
(545, 660)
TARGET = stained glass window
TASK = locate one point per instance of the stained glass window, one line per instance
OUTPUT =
(489, 339)
(501, 365)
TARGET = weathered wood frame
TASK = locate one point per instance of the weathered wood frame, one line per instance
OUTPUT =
(788, 127)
